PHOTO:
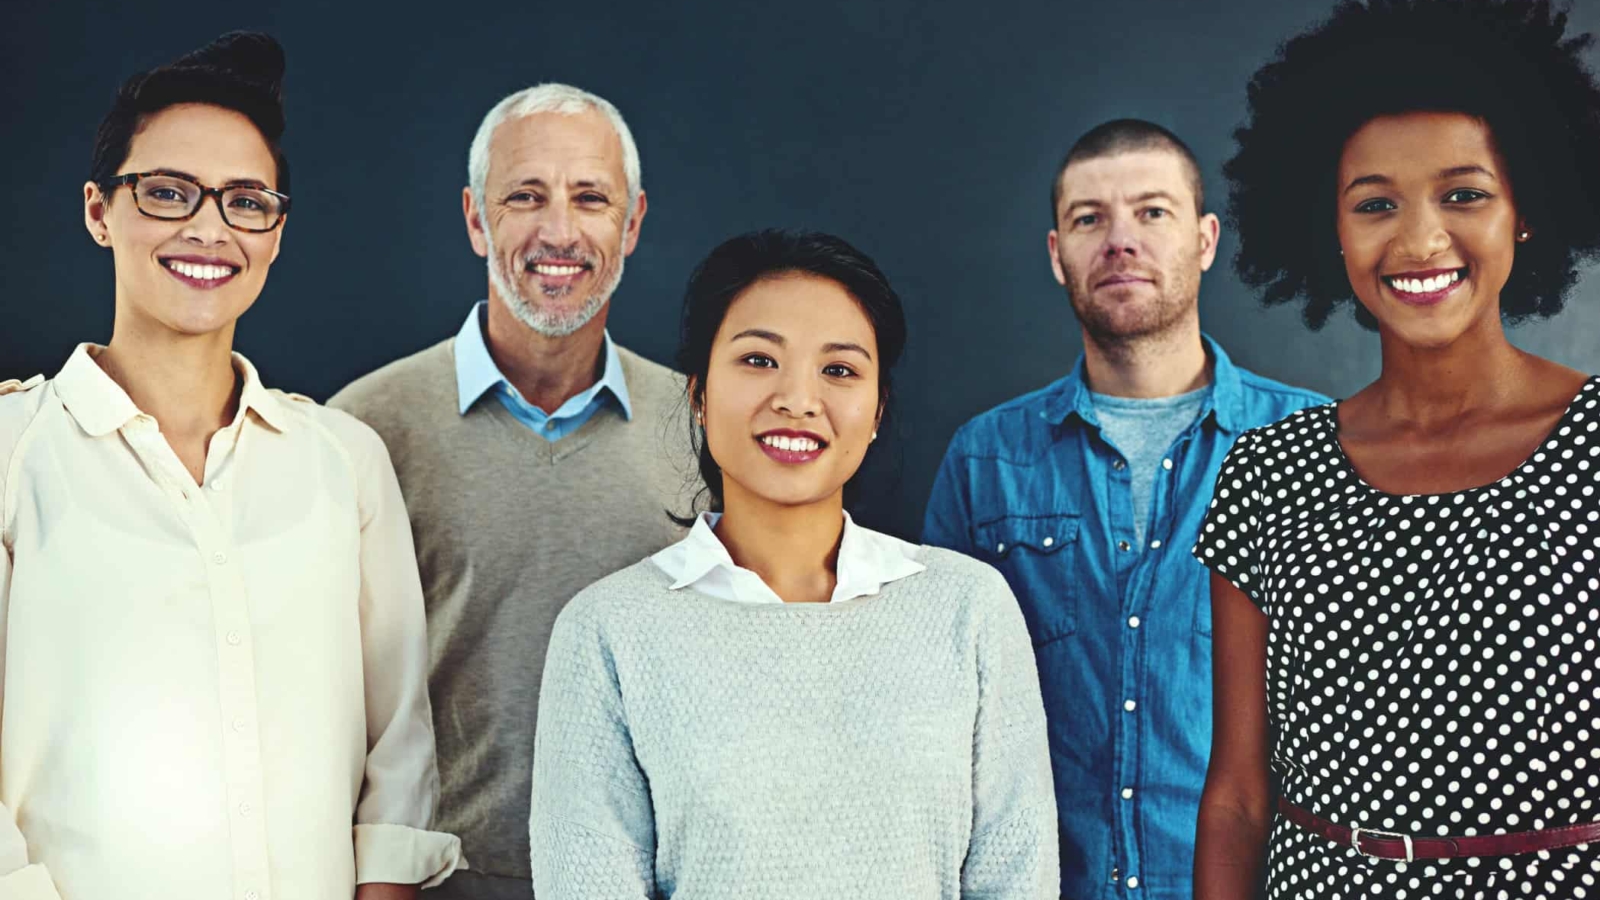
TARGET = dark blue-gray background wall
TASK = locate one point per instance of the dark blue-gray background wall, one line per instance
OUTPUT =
(924, 132)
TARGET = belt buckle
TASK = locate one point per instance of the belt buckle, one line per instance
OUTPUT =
(1355, 842)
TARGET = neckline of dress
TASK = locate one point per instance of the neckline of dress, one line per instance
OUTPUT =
(1504, 481)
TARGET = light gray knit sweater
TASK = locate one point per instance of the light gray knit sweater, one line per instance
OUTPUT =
(887, 747)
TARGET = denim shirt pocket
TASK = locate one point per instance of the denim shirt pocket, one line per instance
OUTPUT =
(1032, 553)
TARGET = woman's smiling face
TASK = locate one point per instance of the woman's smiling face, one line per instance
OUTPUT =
(198, 275)
(791, 397)
(1427, 223)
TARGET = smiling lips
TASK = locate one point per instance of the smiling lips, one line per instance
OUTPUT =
(1424, 288)
(560, 272)
(200, 272)
(788, 446)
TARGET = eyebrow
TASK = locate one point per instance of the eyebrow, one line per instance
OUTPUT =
(1452, 172)
(1141, 198)
(846, 348)
(774, 337)
(582, 183)
(233, 182)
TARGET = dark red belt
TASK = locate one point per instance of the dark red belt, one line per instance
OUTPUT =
(1392, 845)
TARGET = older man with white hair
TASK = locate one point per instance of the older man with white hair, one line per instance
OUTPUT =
(535, 455)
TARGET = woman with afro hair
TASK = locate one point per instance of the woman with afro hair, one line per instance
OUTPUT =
(1406, 583)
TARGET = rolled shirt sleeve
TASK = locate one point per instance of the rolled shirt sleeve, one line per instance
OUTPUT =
(393, 842)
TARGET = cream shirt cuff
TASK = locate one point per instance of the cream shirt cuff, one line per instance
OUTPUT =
(398, 854)
(28, 883)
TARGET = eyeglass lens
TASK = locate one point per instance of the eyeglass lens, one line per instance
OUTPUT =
(166, 197)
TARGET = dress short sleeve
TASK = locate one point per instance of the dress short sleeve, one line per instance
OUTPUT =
(1229, 534)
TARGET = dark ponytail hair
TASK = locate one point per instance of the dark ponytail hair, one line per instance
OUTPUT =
(241, 71)
(740, 262)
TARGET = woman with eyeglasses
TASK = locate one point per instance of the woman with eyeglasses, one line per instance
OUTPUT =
(212, 650)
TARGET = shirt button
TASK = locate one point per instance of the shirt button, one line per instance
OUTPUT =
(1133, 881)
(1127, 793)
(1155, 545)
(215, 485)
(219, 558)
(238, 724)
(1048, 541)
(1000, 547)
(1124, 546)
(233, 638)
(1133, 621)
(1129, 705)
(251, 895)
(1166, 464)
(549, 426)
(1118, 464)
(244, 809)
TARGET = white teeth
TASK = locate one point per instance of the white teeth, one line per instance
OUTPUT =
(557, 270)
(780, 442)
(1425, 285)
(199, 272)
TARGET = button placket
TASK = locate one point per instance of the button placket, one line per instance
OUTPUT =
(236, 687)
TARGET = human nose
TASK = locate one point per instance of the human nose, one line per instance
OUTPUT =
(1422, 234)
(796, 395)
(1121, 239)
(207, 226)
(557, 227)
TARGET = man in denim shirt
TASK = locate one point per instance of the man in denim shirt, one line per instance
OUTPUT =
(1087, 495)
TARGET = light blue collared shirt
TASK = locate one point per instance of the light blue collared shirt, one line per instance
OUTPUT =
(476, 374)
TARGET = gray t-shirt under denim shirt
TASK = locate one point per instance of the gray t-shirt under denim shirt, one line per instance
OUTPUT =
(1143, 429)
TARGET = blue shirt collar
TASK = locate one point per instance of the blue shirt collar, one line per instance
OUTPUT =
(1071, 395)
(476, 372)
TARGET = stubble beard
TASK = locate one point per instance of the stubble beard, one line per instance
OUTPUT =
(528, 311)
(1115, 327)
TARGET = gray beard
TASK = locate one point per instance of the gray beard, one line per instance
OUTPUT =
(528, 311)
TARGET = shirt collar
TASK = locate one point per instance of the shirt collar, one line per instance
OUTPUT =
(101, 406)
(868, 559)
(1071, 396)
(476, 372)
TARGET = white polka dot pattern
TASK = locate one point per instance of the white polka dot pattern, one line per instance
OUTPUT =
(1431, 659)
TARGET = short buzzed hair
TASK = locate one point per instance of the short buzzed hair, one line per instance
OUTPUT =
(1128, 136)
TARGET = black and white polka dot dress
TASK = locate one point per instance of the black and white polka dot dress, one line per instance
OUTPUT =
(1432, 661)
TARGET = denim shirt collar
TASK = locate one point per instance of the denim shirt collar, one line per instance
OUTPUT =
(1224, 408)
(476, 372)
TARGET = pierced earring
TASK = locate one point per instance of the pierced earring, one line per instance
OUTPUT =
(874, 435)
(1522, 235)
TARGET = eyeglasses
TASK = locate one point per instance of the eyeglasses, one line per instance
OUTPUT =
(163, 195)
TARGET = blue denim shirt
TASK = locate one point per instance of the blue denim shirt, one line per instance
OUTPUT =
(477, 374)
(1121, 633)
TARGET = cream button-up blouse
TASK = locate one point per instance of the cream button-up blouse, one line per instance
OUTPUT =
(207, 692)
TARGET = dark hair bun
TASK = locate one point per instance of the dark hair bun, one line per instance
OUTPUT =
(242, 67)
(240, 70)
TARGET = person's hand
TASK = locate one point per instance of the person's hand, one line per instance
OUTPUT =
(384, 891)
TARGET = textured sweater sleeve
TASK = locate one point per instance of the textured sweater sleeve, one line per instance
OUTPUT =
(591, 830)
(1013, 853)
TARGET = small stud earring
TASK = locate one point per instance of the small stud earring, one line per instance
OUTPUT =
(874, 435)
(1522, 235)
